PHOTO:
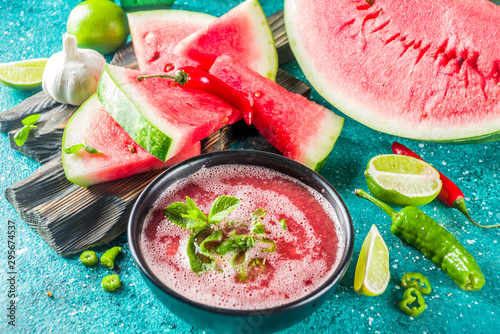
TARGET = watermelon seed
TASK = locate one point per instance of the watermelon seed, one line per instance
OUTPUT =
(155, 57)
(257, 94)
(131, 148)
(169, 67)
(370, 2)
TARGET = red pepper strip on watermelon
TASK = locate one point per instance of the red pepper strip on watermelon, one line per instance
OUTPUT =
(195, 78)
(450, 194)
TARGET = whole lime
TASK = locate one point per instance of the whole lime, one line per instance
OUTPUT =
(101, 25)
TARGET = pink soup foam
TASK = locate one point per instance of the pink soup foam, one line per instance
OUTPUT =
(306, 253)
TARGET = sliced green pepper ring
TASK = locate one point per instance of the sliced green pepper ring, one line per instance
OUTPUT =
(410, 296)
(418, 281)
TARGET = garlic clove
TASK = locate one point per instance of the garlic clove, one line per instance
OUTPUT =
(71, 76)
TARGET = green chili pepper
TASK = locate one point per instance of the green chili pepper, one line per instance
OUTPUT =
(418, 281)
(89, 258)
(410, 296)
(111, 282)
(109, 256)
(421, 231)
(272, 245)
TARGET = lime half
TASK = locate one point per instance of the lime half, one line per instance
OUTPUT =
(372, 270)
(23, 75)
(402, 180)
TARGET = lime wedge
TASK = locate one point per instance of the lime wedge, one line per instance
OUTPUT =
(402, 180)
(23, 75)
(372, 270)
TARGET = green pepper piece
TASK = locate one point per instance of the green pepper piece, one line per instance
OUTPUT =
(111, 282)
(421, 231)
(271, 248)
(418, 281)
(89, 258)
(109, 256)
(410, 296)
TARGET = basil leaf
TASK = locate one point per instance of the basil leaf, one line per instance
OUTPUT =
(258, 228)
(22, 135)
(272, 246)
(30, 120)
(73, 149)
(221, 208)
(90, 149)
(198, 262)
(175, 213)
(193, 212)
(283, 223)
(259, 213)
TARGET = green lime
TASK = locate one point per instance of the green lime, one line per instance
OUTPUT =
(98, 24)
(372, 270)
(402, 180)
(23, 75)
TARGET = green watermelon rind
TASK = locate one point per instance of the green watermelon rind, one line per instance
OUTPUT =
(321, 148)
(131, 119)
(478, 133)
(272, 53)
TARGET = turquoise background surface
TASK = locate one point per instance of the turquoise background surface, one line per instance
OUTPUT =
(32, 29)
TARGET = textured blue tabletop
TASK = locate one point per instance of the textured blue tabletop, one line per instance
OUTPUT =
(31, 29)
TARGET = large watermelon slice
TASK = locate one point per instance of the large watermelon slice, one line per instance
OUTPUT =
(162, 119)
(154, 34)
(303, 130)
(120, 156)
(426, 70)
(242, 33)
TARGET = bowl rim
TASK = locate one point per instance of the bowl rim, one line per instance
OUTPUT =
(200, 160)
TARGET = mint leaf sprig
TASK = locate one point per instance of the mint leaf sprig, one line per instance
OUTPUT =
(75, 148)
(207, 242)
(190, 217)
(29, 123)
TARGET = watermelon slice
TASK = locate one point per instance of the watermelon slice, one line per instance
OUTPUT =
(162, 119)
(120, 156)
(426, 70)
(154, 34)
(242, 33)
(301, 129)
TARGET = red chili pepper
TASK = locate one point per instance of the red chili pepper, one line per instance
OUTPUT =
(195, 78)
(450, 194)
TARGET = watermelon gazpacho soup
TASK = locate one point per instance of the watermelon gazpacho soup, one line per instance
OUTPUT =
(241, 237)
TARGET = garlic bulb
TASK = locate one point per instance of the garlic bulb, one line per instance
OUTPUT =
(71, 76)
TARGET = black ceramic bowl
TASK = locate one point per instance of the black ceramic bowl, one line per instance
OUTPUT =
(221, 320)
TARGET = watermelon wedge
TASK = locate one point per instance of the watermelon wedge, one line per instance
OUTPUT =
(154, 34)
(164, 120)
(301, 129)
(120, 156)
(427, 70)
(242, 33)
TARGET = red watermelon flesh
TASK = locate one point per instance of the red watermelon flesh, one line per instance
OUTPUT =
(163, 119)
(242, 33)
(120, 156)
(425, 70)
(155, 33)
(301, 129)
